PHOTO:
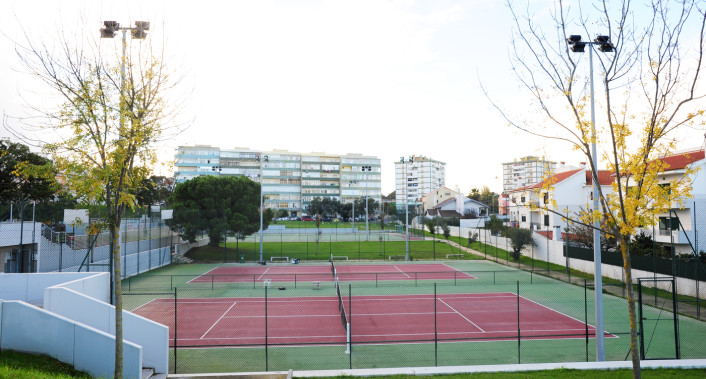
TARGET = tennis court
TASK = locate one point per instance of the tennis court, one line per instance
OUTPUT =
(494, 315)
(319, 273)
(375, 319)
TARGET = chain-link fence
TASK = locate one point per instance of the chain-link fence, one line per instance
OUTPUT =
(488, 317)
(28, 246)
(671, 247)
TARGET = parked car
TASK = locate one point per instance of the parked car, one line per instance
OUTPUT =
(327, 219)
(307, 218)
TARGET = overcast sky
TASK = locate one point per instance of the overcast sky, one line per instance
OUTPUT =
(383, 78)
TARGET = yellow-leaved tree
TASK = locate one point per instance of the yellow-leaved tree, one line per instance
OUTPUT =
(111, 114)
(650, 86)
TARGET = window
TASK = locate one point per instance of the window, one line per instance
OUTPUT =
(522, 199)
(524, 218)
(664, 223)
(666, 187)
(546, 220)
(546, 197)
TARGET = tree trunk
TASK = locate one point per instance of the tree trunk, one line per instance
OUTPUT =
(627, 267)
(117, 282)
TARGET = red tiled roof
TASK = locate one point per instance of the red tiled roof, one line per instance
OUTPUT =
(680, 161)
(554, 179)
(605, 177)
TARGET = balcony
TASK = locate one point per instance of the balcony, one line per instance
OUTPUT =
(680, 236)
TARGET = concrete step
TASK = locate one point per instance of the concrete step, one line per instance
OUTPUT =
(147, 372)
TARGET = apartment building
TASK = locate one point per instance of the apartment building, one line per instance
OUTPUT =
(290, 180)
(526, 171)
(416, 177)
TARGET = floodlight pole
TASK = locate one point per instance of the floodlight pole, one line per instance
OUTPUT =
(262, 209)
(406, 208)
(138, 32)
(598, 275)
(350, 184)
(367, 231)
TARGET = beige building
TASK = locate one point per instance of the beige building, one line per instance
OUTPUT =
(290, 180)
(526, 171)
(415, 178)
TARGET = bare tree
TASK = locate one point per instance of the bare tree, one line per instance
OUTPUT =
(113, 109)
(650, 82)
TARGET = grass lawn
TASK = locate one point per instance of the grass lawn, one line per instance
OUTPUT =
(22, 365)
(312, 251)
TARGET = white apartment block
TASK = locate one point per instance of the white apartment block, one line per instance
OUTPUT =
(416, 178)
(525, 171)
(290, 180)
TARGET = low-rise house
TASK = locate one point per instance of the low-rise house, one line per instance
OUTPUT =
(445, 202)
(541, 207)
(459, 208)
(683, 225)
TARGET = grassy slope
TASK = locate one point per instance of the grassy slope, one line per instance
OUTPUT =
(22, 365)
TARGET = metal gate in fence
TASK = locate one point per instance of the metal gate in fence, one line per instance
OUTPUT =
(659, 332)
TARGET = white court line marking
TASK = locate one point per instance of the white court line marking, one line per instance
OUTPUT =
(457, 270)
(263, 274)
(204, 274)
(219, 319)
(464, 317)
(565, 315)
(133, 311)
(398, 269)
(339, 315)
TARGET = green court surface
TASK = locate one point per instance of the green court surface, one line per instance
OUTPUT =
(572, 301)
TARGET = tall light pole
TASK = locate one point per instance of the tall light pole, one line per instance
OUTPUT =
(139, 31)
(577, 46)
(406, 205)
(350, 184)
(367, 231)
(262, 209)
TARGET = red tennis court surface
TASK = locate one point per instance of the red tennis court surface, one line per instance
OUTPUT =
(292, 273)
(373, 319)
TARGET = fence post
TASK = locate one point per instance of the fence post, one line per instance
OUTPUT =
(585, 313)
(350, 334)
(61, 251)
(175, 328)
(519, 353)
(266, 347)
(436, 333)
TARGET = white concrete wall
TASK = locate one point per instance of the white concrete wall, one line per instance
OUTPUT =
(83, 298)
(30, 287)
(10, 232)
(30, 329)
(153, 337)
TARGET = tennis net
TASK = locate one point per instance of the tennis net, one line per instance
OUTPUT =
(341, 307)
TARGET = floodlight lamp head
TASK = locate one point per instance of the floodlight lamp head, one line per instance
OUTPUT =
(411, 159)
(107, 33)
(144, 25)
(114, 25)
(573, 39)
(578, 47)
(138, 34)
(604, 44)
